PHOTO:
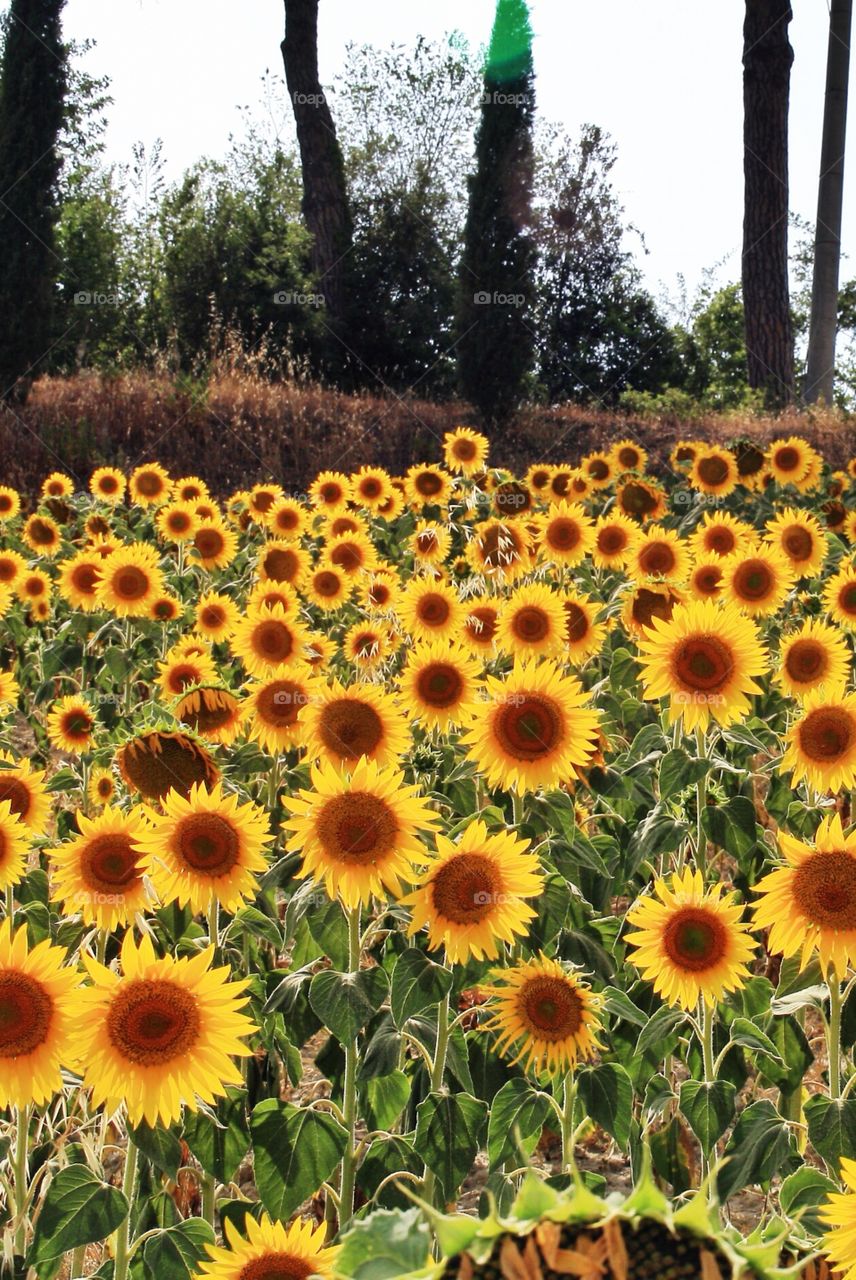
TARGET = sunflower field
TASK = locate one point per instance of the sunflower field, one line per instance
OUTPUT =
(440, 876)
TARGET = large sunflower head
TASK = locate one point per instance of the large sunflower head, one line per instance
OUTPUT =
(822, 743)
(267, 640)
(158, 761)
(274, 710)
(627, 455)
(427, 485)
(78, 580)
(100, 873)
(344, 725)
(438, 683)
(57, 485)
(705, 580)
(12, 567)
(350, 553)
(212, 711)
(430, 608)
(128, 580)
(215, 616)
(714, 471)
(704, 660)
(327, 587)
(719, 534)
(282, 561)
(839, 596)
(107, 484)
(789, 460)
(270, 1251)
(180, 672)
(499, 549)
(287, 518)
(757, 580)
(381, 591)
(161, 1034)
(472, 897)
(533, 729)
(330, 492)
(368, 644)
(430, 543)
(71, 724)
(599, 469)
(640, 499)
(177, 522)
(371, 487)
(615, 537)
(358, 833)
(465, 451)
(690, 941)
(543, 1015)
(10, 503)
(42, 535)
(191, 489)
(801, 540)
(816, 654)
(24, 788)
(9, 690)
(531, 622)
(214, 544)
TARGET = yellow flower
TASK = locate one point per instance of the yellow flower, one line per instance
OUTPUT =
(108, 484)
(816, 654)
(822, 744)
(345, 725)
(286, 518)
(79, 578)
(426, 485)
(757, 579)
(177, 522)
(500, 549)
(129, 578)
(99, 873)
(465, 451)
(266, 641)
(10, 503)
(101, 787)
(641, 499)
(800, 538)
(599, 468)
(838, 1212)
(566, 535)
(71, 724)
(544, 1014)
(211, 711)
(714, 471)
(282, 561)
(626, 455)
(149, 485)
(705, 580)
(12, 567)
(531, 622)
(720, 534)
(214, 544)
(9, 689)
(57, 485)
(371, 487)
(215, 616)
(615, 537)
(584, 635)
(790, 460)
(330, 491)
(438, 684)
(430, 543)
(271, 1251)
(430, 608)
(660, 553)
(368, 644)
(839, 596)
(157, 762)
(24, 788)
(273, 711)
(14, 847)
(327, 587)
(479, 628)
(42, 535)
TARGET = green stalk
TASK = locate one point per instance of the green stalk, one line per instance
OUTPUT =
(214, 921)
(707, 1042)
(21, 1140)
(701, 803)
(209, 1188)
(123, 1234)
(517, 809)
(10, 901)
(569, 1163)
(438, 1070)
(833, 1035)
(349, 1090)
(78, 1262)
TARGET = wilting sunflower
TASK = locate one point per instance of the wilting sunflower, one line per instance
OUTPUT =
(822, 744)
(816, 654)
(14, 848)
(720, 534)
(215, 616)
(599, 469)
(42, 535)
(427, 485)
(690, 941)
(24, 788)
(641, 499)
(271, 1251)
(839, 596)
(108, 484)
(129, 578)
(566, 534)
(101, 787)
(12, 567)
(78, 580)
(465, 451)
(38, 1027)
(705, 660)
(266, 641)
(714, 471)
(158, 761)
(345, 725)
(149, 485)
(327, 587)
(273, 711)
(368, 644)
(161, 1035)
(10, 503)
(177, 522)
(705, 580)
(57, 485)
(205, 845)
(809, 904)
(282, 561)
(660, 553)
(789, 460)
(358, 832)
(584, 635)
(533, 729)
(438, 684)
(615, 536)
(531, 622)
(211, 711)
(800, 538)
(500, 549)
(757, 580)
(543, 1014)
(479, 627)
(430, 608)
(100, 873)
(71, 724)
(472, 897)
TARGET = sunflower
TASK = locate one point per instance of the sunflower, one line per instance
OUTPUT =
(380, 593)
(156, 762)
(705, 580)
(614, 539)
(215, 545)
(534, 728)
(566, 535)
(720, 534)
(584, 635)
(10, 503)
(751, 462)
(479, 629)
(190, 489)
(822, 744)
(98, 528)
(265, 595)
(6, 600)
(101, 787)
(282, 562)
(162, 1034)
(683, 452)
(430, 543)
(690, 941)
(538, 477)
(42, 535)
(346, 725)
(24, 788)
(544, 1014)
(14, 847)
(34, 584)
(465, 451)
(371, 487)
(38, 1003)
(368, 644)
(12, 567)
(71, 724)
(286, 519)
(814, 655)
(318, 651)
(789, 460)
(704, 660)
(757, 580)
(559, 483)
(430, 609)
(427, 485)
(177, 522)
(330, 491)
(645, 603)
(358, 832)
(714, 471)
(660, 553)
(500, 549)
(531, 622)
(800, 538)
(165, 608)
(394, 505)
(129, 578)
(9, 689)
(215, 616)
(345, 522)
(438, 684)
(472, 895)
(99, 873)
(271, 1251)
(327, 587)
(57, 485)
(626, 455)
(273, 711)
(261, 500)
(839, 596)
(40, 610)
(211, 711)
(78, 580)
(179, 673)
(108, 484)
(512, 498)
(599, 469)
(640, 499)
(267, 640)
(149, 485)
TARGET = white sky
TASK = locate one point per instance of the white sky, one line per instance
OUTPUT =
(662, 76)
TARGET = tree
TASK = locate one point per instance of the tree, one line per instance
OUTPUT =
(767, 60)
(820, 370)
(325, 196)
(33, 79)
(495, 317)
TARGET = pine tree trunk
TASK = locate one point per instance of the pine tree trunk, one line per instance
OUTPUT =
(820, 371)
(767, 60)
(325, 197)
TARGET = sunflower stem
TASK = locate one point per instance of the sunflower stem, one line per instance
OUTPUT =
(273, 784)
(569, 1097)
(833, 1037)
(214, 921)
(209, 1189)
(438, 1070)
(517, 809)
(349, 1088)
(123, 1234)
(707, 1042)
(21, 1140)
(701, 804)
(78, 1262)
(10, 901)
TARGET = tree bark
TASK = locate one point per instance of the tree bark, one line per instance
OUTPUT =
(325, 196)
(767, 60)
(820, 371)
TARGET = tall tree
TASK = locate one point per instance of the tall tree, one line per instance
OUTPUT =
(495, 322)
(820, 370)
(325, 194)
(33, 78)
(767, 60)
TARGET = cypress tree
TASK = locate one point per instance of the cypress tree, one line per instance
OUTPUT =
(495, 322)
(32, 104)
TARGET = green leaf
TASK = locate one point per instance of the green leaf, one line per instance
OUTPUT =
(218, 1138)
(295, 1150)
(760, 1143)
(329, 929)
(448, 1132)
(388, 1155)
(417, 983)
(731, 826)
(832, 1128)
(518, 1113)
(386, 1098)
(175, 1254)
(709, 1109)
(619, 1004)
(160, 1146)
(659, 833)
(761, 1047)
(345, 1002)
(389, 1243)
(251, 920)
(77, 1209)
(679, 770)
(801, 1195)
(658, 1028)
(607, 1095)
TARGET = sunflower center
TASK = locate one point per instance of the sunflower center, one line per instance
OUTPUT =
(109, 863)
(612, 540)
(648, 605)
(563, 534)
(433, 609)
(749, 460)
(179, 522)
(327, 584)
(440, 684)
(657, 557)
(206, 842)
(366, 645)
(499, 547)
(280, 564)
(753, 580)
(279, 703)
(209, 543)
(152, 1021)
(465, 889)
(426, 541)
(531, 624)
(576, 622)
(149, 484)
(371, 487)
(157, 762)
(721, 540)
(17, 793)
(41, 532)
(708, 579)
(348, 556)
(847, 598)
(464, 450)
(428, 483)
(379, 594)
(77, 725)
(26, 1009)
(798, 543)
(130, 583)
(350, 728)
(713, 470)
(638, 499)
(277, 1266)
(552, 1008)
(598, 469)
(182, 676)
(215, 708)
(85, 579)
(273, 641)
(703, 662)
(694, 939)
(628, 457)
(213, 616)
(827, 733)
(357, 828)
(481, 625)
(787, 459)
(806, 660)
(529, 726)
(824, 887)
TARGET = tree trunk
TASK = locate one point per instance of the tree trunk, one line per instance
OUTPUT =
(325, 197)
(820, 371)
(767, 59)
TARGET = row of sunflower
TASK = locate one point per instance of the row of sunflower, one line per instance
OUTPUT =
(406, 835)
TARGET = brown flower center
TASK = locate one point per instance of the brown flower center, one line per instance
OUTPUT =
(612, 540)
(433, 609)
(628, 457)
(753, 580)
(149, 484)
(357, 828)
(713, 470)
(798, 543)
(530, 624)
(481, 624)
(703, 663)
(552, 1009)
(151, 1022)
(277, 1266)
(694, 939)
(281, 565)
(528, 726)
(279, 703)
(42, 533)
(648, 605)
(499, 546)
(576, 622)
(16, 792)
(464, 450)
(428, 483)
(847, 598)
(26, 1009)
(273, 640)
(76, 725)
(708, 580)
(657, 558)
(158, 761)
(465, 889)
(787, 459)
(440, 685)
(207, 843)
(598, 469)
(806, 661)
(130, 583)
(327, 584)
(824, 889)
(563, 534)
(720, 539)
(350, 728)
(827, 734)
(84, 578)
(638, 499)
(109, 863)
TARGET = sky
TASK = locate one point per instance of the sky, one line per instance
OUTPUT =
(664, 78)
